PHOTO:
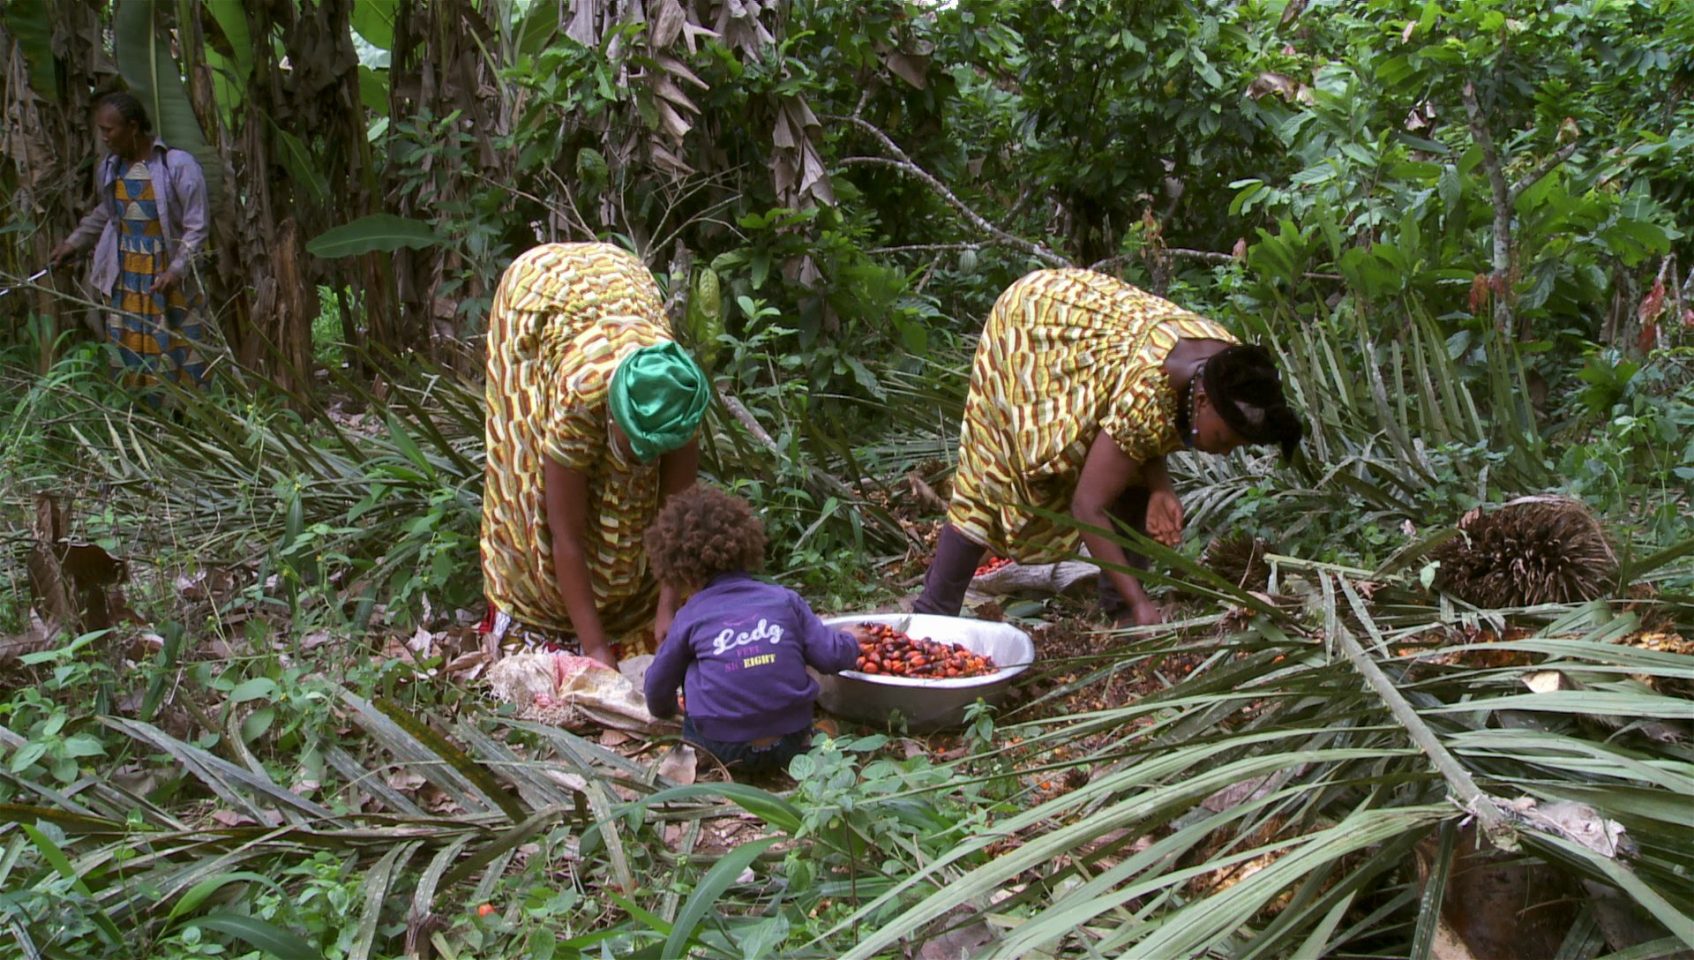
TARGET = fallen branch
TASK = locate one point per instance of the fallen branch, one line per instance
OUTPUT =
(905, 165)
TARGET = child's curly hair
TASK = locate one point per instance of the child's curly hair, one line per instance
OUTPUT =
(701, 533)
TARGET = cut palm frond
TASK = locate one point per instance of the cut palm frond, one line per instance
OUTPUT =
(1247, 809)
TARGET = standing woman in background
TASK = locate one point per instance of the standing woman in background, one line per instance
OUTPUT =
(147, 228)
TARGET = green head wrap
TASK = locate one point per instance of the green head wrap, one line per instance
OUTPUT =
(658, 396)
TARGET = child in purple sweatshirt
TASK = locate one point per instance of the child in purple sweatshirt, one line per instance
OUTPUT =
(739, 646)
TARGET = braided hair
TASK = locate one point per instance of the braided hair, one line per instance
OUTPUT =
(129, 109)
(1246, 390)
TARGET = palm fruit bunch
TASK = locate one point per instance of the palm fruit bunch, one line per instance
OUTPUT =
(1542, 549)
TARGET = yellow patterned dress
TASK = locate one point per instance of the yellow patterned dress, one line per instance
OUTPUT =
(563, 316)
(1064, 355)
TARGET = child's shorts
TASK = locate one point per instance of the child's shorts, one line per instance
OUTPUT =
(741, 756)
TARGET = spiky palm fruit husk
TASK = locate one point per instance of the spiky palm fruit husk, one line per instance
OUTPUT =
(1541, 549)
(1240, 559)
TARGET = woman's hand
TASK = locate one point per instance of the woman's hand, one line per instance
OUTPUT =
(566, 493)
(60, 253)
(1147, 614)
(598, 650)
(165, 281)
(1164, 517)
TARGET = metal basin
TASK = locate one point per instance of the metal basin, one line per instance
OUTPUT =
(928, 704)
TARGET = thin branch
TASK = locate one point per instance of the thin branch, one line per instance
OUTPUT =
(1563, 154)
(1208, 256)
(745, 417)
(681, 271)
(932, 247)
(1502, 200)
(976, 220)
(1112, 263)
(904, 164)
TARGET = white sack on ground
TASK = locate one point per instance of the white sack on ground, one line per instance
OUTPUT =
(571, 691)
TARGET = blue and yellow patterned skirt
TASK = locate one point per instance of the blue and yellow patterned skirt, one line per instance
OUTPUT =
(156, 336)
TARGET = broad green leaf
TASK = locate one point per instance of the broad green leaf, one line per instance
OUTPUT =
(62, 653)
(374, 20)
(254, 725)
(231, 19)
(196, 895)
(144, 59)
(703, 900)
(373, 90)
(226, 91)
(540, 23)
(268, 938)
(378, 232)
(30, 22)
(27, 755)
(866, 380)
(255, 688)
(82, 745)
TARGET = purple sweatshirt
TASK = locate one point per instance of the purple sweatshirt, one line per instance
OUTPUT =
(744, 646)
